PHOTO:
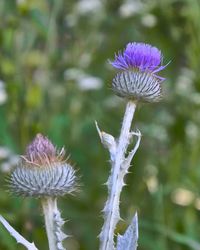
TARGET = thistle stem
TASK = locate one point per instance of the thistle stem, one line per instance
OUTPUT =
(115, 181)
(48, 205)
(53, 223)
(19, 238)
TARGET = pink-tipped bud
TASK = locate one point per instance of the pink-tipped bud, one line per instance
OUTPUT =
(40, 148)
(42, 171)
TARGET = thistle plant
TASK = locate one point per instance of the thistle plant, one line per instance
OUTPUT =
(45, 174)
(137, 81)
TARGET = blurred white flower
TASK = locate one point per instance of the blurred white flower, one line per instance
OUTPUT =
(4, 152)
(19, 2)
(90, 83)
(129, 8)
(10, 160)
(73, 74)
(184, 84)
(84, 81)
(149, 20)
(3, 94)
(192, 131)
(88, 6)
(6, 167)
(152, 184)
(182, 197)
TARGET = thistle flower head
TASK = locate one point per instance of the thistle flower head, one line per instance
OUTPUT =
(39, 148)
(42, 152)
(139, 56)
(43, 171)
(138, 80)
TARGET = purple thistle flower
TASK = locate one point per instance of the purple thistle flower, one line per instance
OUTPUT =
(141, 56)
(139, 64)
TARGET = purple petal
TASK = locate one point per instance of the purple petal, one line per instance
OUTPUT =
(141, 56)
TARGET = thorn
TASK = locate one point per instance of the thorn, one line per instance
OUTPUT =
(98, 130)
(124, 184)
(121, 219)
(107, 183)
(108, 141)
(137, 133)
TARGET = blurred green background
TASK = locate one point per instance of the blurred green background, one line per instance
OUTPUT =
(55, 79)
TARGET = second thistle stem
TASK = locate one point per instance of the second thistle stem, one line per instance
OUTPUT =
(53, 223)
(48, 205)
(115, 181)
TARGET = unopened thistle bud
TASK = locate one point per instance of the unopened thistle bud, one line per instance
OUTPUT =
(138, 80)
(43, 171)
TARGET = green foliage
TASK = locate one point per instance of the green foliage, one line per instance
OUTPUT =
(49, 52)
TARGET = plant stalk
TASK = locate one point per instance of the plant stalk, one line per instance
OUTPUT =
(49, 205)
(115, 182)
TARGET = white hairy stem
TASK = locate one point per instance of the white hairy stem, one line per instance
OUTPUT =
(115, 183)
(19, 238)
(53, 223)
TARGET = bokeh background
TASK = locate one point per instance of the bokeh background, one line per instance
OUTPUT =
(55, 79)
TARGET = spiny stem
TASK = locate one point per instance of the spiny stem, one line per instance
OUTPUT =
(19, 238)
(53, 223)
(115, 181)
(48, 205)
